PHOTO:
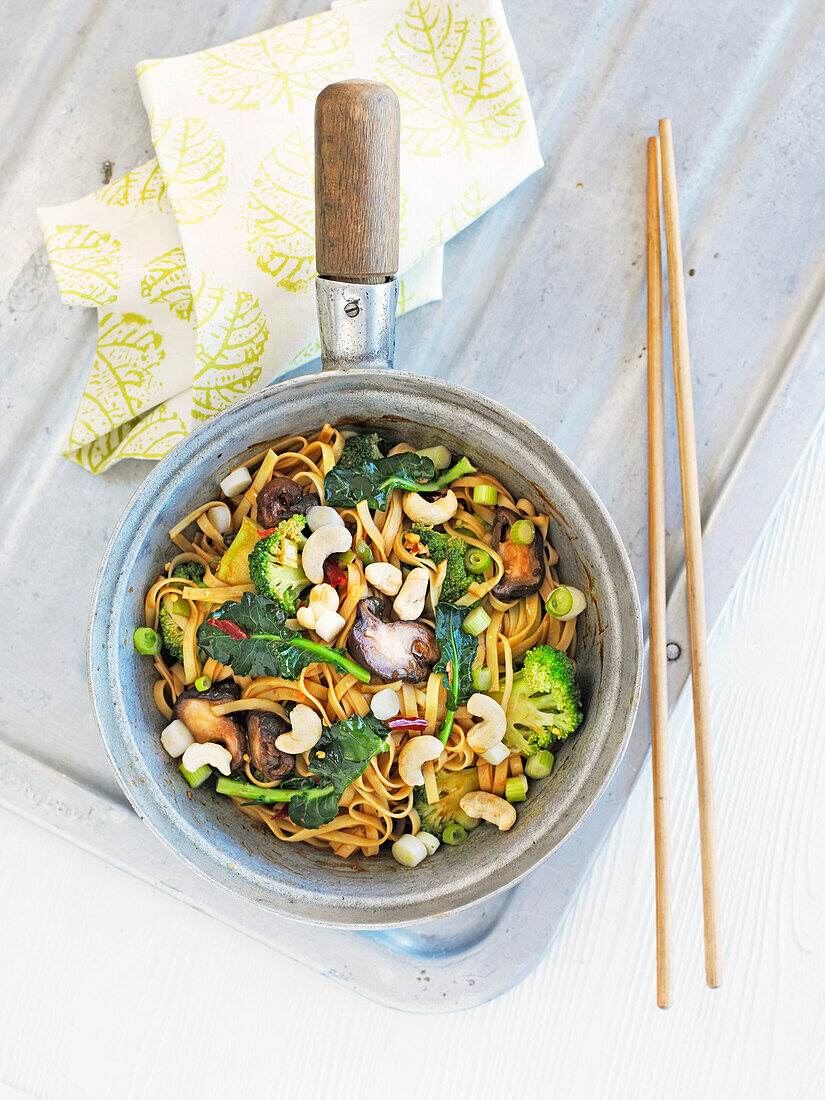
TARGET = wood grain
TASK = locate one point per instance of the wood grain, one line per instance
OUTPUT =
(357, 181)
(692, 523)
(657, 582)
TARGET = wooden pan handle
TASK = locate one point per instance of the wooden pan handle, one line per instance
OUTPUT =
(357, 150)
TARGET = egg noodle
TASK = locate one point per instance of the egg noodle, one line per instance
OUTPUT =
(378, 806)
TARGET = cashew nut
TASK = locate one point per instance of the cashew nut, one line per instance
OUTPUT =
(322, 598)
(490, 730)
(331, 539)
(209, 753)
(489, 807)
(323, 516)
(385, 577)
(417, 751)
(431, 512)
(305, 732)
(409, 603)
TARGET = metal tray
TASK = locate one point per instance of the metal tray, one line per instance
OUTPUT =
(543, 311)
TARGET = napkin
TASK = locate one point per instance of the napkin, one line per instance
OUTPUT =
(201, 262)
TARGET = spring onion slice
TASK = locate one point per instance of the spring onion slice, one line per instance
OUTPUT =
(439, 456)
(147, 641)
(565, 602)
(196, 778)
(522, 532)
(363, 552)
(476, 622)
(515, 789)
(203, 683)
(454, 834)
(540, 765)
(485, 494)
(482, 678)
(477, 560)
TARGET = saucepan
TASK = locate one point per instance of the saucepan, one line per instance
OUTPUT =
(357, 235)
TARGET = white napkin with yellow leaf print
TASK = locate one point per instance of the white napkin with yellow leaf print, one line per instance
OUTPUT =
(201, 262)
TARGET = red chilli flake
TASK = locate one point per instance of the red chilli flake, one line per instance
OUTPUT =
(334, 573)
(267, 531)
(232, 630)
(407, 723)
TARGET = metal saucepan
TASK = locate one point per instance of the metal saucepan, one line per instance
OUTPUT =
(356, 204)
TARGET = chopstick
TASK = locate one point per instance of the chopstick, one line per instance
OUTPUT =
(692, 520)
(657, 586)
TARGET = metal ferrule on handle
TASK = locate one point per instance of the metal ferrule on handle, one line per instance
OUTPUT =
(357, 322)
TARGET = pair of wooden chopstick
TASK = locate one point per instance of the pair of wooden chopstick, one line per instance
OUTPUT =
(657, 579)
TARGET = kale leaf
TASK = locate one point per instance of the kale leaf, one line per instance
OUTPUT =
(458, 649)
(375, 479)
(252, 637)
(340, 756)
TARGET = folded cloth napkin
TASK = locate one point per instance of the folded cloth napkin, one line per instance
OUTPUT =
(201, 262)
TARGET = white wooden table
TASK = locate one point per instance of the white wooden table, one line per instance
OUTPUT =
(111, 989)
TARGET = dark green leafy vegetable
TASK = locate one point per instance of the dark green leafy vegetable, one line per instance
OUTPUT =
(311, 804)
(375, 479)
(458, 649)
(252, 637)
(341, 755)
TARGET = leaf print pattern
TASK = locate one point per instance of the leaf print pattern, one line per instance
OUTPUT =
(121, 383)
(307, 353)
(279, 218)
(144, 66)
(456, 77)
(284, 65)
(143, 187)
(166, 280)
(87, 264)
(193, 160)
(231, 337)
(458, 216)
(150, 436)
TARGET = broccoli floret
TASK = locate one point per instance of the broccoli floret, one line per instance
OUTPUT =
(190, 571)
(271, 577)
(442, 547)
(545, 703)
(358, 450)
(171, 634)
(452, 786)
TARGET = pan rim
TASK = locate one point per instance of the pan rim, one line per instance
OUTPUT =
(182, 837)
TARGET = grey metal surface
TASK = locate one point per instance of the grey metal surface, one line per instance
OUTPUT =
(296, 879)
(357, 323)
(543, 310)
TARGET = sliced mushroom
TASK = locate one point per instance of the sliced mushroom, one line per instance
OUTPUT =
(393, 651)
(194, 708)
(262, 730)
(302, 506)
(523, 565)
(276, 500)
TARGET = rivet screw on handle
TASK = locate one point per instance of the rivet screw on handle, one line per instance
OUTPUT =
(357, 208)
